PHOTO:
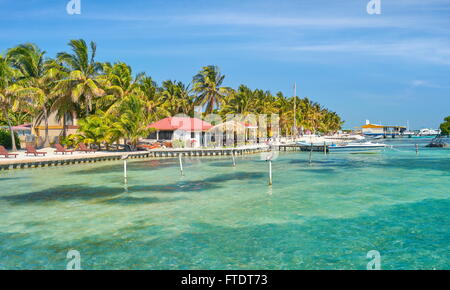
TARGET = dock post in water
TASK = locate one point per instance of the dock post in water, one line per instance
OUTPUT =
(310, 154)
(325, 148)
(125, 176)
(417, 149)
(125, 170)
(270, 171)
(234, 158)
(181, 163)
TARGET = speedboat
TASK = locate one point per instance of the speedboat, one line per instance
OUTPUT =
(428, 132)
(357, 147)
(378, 137)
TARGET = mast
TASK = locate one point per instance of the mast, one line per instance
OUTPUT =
(295, 109)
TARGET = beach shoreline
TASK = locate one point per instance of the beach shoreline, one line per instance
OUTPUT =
(52, 159)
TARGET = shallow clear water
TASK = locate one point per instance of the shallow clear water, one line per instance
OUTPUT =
(326, 215)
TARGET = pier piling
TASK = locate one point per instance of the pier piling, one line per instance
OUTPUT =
(270, 172)
(125, 176)
(181, 164)
(125, 170)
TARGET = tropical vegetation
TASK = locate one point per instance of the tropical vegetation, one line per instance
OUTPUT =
(445, 127)
(112, 103)
(5, 138)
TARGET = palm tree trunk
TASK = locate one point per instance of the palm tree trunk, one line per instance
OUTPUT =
(13, 139)
(46, 126)
(88, 106)
(64, 126)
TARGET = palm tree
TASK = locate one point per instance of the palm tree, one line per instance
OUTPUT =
(177, 98)
(153, 99)
(241, 101)
(37, 76)
(119, 83)
(207, 83)
(18, 118)
(132, 121)
(445, 127)
(186, 98)
(286, 113)
(95, 128)
(81, 84)
(10, 100)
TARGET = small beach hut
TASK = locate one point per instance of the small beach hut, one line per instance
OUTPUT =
(190, 130)
(232, 132)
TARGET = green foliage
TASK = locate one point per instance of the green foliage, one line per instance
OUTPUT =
(131, 121)
(308, 114)
(16, 118)
(178, 143)
(208, 85)
(95, 129)
(72, 140)
(445, 127)
(5, 139)
(113, 104)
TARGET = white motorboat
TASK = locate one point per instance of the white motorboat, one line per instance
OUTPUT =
(429, 132)
(357, 147)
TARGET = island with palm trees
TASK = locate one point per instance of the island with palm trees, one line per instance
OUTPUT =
(73, 99)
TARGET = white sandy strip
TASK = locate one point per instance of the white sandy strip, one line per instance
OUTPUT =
(52, 156)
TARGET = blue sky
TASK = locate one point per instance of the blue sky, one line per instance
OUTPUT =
(388, 68)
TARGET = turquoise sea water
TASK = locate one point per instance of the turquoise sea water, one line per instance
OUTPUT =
(326, 215)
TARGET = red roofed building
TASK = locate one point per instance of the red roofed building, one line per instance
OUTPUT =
(180, 128)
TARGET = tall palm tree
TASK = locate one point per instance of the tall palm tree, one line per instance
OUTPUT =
(95, 128)
(177, 98)
(37, 77)
(118, 83)
(186, 98)
(82, 82)
(153, 99)
(10, 99)
(208, 85)
(132, 121)
(285, 112)
(18, 118)
(241, 101)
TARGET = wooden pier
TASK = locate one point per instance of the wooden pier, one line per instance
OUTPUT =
(36, 162)
(305, 148)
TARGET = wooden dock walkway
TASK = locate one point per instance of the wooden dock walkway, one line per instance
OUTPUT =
(35, 162)
(305, 148)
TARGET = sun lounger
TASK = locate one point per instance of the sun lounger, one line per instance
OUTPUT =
(83, 148)
(32, 150)
(61, 149)
(4, 152)
(145, 146)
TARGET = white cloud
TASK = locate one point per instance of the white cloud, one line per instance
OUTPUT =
(431, 50)
(426, 84)
(271, 21)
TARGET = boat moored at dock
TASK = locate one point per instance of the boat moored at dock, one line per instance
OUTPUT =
(351, 147)
(357, 147)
